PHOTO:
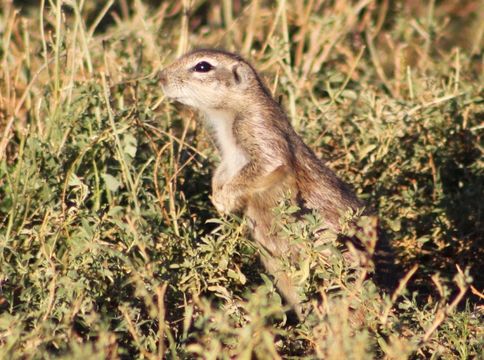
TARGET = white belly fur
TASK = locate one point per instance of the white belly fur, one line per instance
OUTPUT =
(233, 157)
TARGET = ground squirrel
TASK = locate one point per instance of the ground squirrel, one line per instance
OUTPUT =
(261, 154)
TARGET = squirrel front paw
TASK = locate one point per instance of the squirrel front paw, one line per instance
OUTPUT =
(227, 200)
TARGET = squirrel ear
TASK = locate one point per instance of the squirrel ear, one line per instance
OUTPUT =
(241, 72)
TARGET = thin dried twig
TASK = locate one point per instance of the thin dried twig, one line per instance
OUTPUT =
(444, 312)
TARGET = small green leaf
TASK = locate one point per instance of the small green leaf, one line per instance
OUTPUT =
(130, 145)
(111, 182)
(74, 180)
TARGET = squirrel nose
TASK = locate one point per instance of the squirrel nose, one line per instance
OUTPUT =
(162, 77)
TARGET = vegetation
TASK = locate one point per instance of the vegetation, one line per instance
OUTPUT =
(109, 245)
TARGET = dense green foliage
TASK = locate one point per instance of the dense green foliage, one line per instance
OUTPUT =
(109, 245)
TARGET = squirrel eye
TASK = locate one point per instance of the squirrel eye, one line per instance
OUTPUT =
(203, 66)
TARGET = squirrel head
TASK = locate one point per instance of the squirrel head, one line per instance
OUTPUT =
(211, 80)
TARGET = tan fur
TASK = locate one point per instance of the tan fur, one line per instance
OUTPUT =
(261, 155)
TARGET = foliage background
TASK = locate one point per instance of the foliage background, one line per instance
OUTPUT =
(109, 246)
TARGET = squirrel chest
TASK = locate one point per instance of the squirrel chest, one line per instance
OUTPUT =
(233, 157)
